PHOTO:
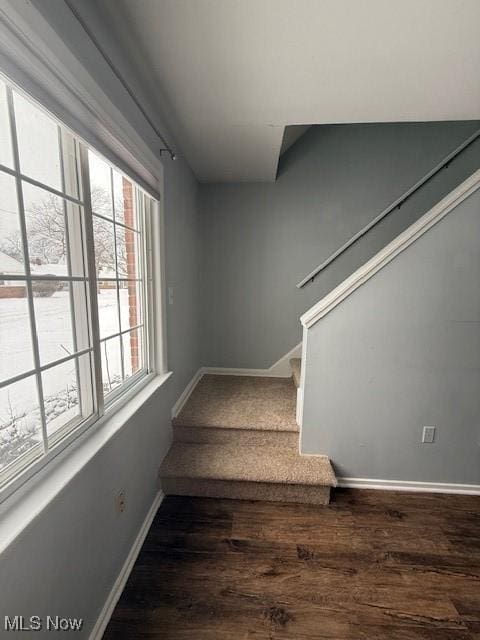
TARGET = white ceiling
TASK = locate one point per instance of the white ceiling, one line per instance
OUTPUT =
(236, 72)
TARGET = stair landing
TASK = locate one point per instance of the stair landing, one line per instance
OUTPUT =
(241, 402)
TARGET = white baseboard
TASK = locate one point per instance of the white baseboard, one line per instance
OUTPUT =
(224, 371)
(120, 582)
(184, 396)
(407, 485)
(281, 368)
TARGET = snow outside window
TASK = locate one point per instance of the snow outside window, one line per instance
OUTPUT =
(74, 284)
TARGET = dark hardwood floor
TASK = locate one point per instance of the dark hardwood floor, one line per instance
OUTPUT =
(372, 565)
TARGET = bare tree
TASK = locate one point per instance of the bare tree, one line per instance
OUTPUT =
(12, 246)
(104, 242)
(47, 237)
(47, 240)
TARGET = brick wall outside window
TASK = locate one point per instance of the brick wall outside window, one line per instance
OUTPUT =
(129, 217)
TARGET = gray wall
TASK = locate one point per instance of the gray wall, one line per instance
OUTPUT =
(403, 351)
(183, 263)
(66, 561)
(259, 240)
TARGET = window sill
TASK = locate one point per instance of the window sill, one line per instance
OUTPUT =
(23, 506)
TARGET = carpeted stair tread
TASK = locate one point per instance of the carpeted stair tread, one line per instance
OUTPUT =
(247, 464)
(241, 402)
(296, 365)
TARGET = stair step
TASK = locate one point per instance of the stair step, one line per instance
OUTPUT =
(241, 402)
(239, 490)
(236, 437)
(296, 365)
(245, 465)
(239, 437)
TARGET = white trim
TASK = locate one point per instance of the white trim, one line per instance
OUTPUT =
(388, 253)
(301, 388)
(299, 411)
(408, 485)
(225, 371)
(159, 270)
(280, 369)
(119, 584)
(186, 393)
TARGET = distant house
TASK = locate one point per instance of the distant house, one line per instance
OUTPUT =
(107, 283)
(9, 267)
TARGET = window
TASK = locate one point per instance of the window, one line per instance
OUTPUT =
(75, 318)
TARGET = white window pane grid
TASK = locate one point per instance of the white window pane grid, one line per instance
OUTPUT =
(52, 384)
(39, 297)
(120, 277)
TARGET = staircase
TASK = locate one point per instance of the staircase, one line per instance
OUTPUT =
(236, 437)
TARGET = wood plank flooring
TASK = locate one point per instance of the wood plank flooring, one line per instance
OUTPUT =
(373, 565)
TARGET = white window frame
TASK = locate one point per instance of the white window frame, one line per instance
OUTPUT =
(152, 277)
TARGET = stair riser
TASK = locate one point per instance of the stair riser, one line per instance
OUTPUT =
(238, 437)
(238, 490)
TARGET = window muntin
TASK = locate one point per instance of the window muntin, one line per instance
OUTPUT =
(5, 145)
(72, 337)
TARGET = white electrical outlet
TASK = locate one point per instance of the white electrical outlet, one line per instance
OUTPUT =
(428, 435)
(170, 295)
